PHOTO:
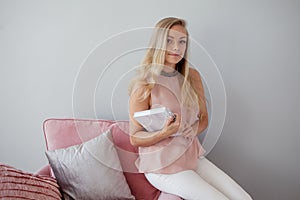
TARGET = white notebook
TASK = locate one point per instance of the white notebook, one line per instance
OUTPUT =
(153, 119)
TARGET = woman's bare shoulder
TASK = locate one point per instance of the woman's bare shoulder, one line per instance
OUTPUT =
(138, 90)
(194, 74)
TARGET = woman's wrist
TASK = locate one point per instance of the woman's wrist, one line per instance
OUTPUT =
(162, 134)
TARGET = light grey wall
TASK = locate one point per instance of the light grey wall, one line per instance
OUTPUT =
(255, 44)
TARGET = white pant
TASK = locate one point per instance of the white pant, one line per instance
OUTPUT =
(207, 182)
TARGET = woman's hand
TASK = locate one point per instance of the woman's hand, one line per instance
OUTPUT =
(171, 126)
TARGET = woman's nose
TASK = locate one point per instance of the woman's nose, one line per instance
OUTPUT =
(175, 46)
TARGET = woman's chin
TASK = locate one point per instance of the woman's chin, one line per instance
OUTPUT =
(172, 62)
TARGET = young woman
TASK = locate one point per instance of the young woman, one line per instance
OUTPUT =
(172, 158)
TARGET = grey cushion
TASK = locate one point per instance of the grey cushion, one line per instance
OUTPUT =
(90, 170)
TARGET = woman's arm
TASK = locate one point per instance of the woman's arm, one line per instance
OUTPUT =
(196, 83)
(138, 135)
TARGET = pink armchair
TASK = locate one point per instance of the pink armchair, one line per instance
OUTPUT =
(62, 133)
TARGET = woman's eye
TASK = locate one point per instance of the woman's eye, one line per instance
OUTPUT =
(169, 41)
(182, 42)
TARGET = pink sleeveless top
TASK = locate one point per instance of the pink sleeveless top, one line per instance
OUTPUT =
(175, 153)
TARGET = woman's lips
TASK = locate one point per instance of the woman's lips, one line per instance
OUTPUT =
(173, 54)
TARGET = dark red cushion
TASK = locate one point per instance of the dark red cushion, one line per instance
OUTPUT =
(139, 185)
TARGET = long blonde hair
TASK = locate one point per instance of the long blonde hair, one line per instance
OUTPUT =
(154, 60)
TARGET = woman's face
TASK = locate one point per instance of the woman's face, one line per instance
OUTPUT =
(176, 45)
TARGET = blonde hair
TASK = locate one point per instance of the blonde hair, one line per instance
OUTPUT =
(154, 60)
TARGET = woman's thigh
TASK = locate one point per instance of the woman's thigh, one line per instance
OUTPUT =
(186, 184)
(220, 180)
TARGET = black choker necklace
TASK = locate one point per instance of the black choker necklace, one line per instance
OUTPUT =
(169, 74)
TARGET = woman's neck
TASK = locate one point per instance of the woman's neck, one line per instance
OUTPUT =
(169, 69)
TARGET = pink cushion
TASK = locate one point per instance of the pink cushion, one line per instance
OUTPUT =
(16, 184)
(62, 133)
(44, 171)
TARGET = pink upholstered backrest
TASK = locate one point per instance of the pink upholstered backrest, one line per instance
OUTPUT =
(62, 133)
